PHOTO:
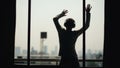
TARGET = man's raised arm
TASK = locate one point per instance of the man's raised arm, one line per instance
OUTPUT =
(87, 23)
(55, 19)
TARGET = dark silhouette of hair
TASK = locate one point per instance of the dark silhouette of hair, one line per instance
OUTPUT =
(67, 39)
(69, 23)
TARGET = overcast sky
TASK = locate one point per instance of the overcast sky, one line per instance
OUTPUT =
(42, 12)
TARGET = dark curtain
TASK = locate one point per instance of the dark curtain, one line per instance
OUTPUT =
(111, 41)
(7, 15)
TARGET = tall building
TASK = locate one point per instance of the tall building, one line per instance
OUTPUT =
(33, 51)
(43, 36)
(24, 52)
(55, 51)
(89, 54)
(17, 51)
(79, 53)
(45, 49)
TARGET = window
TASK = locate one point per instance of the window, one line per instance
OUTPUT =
(44, 50)
(21, 28)
(95, 33)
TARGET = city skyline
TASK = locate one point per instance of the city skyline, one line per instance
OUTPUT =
(23, 52)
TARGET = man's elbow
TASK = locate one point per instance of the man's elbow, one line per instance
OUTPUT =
(55, 19)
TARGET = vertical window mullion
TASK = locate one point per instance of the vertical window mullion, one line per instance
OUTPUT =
(84, 46)
(29, 24)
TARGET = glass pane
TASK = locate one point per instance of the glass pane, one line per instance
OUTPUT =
(21, 31)
(42, 13)
(95, 33)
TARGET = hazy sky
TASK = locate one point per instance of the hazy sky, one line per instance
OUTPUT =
(42, 13)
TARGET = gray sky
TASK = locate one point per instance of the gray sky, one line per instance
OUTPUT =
(42, 12)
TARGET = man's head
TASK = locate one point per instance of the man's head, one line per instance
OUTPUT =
(69, 23)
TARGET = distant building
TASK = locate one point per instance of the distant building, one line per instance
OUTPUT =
(55, 51)
(45, 49)
(33, 51)
(24, 52)
(89, 54)
(80, 54)
(17, 51)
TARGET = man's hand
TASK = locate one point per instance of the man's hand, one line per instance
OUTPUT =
(88, 8)
(64, 12)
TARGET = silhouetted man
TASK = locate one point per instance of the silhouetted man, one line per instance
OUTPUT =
(67, 39)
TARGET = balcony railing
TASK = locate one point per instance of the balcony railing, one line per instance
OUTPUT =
(52, 62)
